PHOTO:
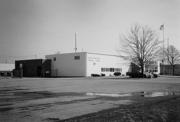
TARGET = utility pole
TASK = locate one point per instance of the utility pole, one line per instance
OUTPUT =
(163, 45)
(168, 49)
(168, 45)
(163, 42)
(75, 42)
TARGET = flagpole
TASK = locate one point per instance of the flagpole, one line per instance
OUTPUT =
(163, 43)
(162, 29)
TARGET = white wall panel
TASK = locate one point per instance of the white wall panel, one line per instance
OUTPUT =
(7, 67)
(66, 65)
(97, 61)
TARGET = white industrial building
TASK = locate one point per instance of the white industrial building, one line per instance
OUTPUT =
(86, 64)
(6, 69)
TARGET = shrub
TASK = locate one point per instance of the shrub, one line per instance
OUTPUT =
(95, 75)
(128, 73)
(117, 73)
(102, 74)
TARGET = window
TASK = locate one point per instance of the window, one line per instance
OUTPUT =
(155, 70)
(107, 69)
(116, 69)
(111, 69)
(2, 74)
(103, 69)
(76, 57)
(54, 58)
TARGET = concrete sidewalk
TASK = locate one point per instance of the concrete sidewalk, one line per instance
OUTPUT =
(169, 76)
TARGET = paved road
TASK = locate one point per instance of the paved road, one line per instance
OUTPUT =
(49, 99)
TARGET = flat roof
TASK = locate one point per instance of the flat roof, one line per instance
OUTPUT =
(28, 60)
(6, 67)
(84, 52)
(103, 54)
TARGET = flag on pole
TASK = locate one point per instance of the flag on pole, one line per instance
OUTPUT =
(162, 27)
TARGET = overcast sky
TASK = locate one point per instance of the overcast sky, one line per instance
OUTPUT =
(29, 27)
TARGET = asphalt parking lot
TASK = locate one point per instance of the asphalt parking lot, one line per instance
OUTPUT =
(48, 99)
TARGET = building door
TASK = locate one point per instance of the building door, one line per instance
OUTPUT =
(39, 70)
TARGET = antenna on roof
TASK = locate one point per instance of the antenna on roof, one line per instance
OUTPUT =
(75, 49)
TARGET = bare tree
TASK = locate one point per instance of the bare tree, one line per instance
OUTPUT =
(172, 56)
(140, 45)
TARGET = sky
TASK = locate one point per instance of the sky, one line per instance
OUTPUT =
(34, 28)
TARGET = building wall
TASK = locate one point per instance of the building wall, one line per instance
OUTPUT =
(153, 66)
(133, 68)
(86, 64)
(46, 68)
(168, 70)
(30, 68)
(68, 64)
(105, 64)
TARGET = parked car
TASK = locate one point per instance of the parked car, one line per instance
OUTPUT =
(155, 75)
(139, 75)
(151, 74)
(135, 75)
(148, 75)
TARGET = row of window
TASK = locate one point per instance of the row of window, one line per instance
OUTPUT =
(153, 70)
(75, 58)
(111, 69)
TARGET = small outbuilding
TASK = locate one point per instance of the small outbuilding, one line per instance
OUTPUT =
(33, 68)
(6, 69)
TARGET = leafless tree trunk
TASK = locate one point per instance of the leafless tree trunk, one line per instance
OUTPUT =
(140, 45)
(172, 56)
